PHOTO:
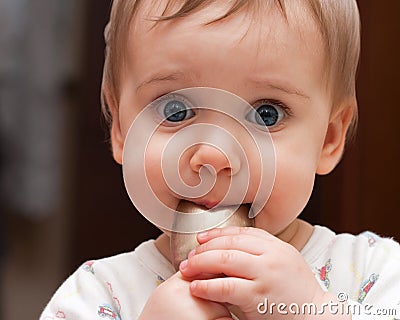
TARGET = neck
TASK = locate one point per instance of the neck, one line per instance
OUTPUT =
(296, 234)
(162, 243)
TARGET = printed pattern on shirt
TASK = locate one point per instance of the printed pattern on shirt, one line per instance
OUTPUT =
(366, 286)
(323, 273)
(365, 267)
(107, 311)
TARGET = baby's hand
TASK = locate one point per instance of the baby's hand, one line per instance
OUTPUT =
(173, 300)
(257, 266)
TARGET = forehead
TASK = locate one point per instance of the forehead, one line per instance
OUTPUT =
(296, 14)
(267, 21)
(263, 36)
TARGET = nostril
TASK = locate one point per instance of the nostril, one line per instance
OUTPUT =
(228, 171)
(207, 169)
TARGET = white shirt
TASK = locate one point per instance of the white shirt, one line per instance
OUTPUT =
(364, 270)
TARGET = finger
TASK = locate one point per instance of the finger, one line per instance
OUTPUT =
(242, 242)
(223, 290)
(214, 310)
(228, 262)
(230, 231)
(202, 276)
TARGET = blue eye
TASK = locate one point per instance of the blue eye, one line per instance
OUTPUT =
(174, 109)
(267, 114)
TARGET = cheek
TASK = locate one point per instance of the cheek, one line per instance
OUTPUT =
(126, 116)
(294, 181)
(291, 192)
(154, 173)
(152, 164)
(296, 167)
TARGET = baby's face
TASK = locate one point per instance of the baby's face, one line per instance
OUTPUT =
(274, 65)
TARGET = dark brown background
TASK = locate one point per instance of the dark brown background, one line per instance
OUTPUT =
(361, 194)
(99, 220)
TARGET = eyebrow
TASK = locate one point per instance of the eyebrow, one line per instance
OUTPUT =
(286, 88)
(178, 75)
(160, 77)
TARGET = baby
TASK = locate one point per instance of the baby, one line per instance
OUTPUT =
(294, 62)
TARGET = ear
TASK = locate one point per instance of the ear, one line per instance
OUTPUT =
(335, 138)
(117, 142)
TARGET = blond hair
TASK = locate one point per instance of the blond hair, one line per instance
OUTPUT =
(337, 20)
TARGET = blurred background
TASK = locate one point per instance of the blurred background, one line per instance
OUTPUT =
(62, 199)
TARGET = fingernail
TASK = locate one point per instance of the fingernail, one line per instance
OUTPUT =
(183, 265)
(193, 285)
(203, 234)
(192, 253)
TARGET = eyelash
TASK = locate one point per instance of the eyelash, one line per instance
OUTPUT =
(278, 103)
(162, 100)
(284, 112)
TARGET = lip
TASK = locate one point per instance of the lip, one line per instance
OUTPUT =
(205, 203)
(211, 204)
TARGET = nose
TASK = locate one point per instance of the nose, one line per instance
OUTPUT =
(207, 155)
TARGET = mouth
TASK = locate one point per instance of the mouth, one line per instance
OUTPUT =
(206, 203)
(182, 243)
